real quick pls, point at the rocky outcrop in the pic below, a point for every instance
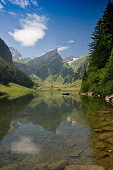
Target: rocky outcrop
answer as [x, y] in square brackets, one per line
[90, 94]
[17, 56]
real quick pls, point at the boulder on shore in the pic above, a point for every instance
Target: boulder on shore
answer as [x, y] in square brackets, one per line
[109, 99]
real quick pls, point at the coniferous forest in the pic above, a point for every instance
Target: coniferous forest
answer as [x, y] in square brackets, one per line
[99, 76]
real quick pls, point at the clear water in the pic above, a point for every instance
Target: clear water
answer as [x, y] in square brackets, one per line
[42, 128]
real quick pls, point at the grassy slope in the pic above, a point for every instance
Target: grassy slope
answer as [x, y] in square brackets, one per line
[15, 90]
[80, 62]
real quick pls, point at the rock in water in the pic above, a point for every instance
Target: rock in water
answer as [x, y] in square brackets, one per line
[65, 93]
[84, 167]
[58, 165]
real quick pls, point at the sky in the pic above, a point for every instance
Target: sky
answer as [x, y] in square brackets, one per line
[34, 27]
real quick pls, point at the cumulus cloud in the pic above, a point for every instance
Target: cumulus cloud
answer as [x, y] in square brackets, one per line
[71, 41]
[31, 31]
[63, 48]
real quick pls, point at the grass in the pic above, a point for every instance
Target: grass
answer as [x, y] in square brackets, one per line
[61, 87]
[15, 90]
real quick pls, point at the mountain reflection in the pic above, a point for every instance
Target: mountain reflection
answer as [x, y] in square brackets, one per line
[9, 108]
[49, 111]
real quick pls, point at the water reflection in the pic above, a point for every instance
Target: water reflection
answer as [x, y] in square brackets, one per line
[8, 108]
[47, 127]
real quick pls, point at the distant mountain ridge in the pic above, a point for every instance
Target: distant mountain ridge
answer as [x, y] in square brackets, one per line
[16, 56]
[52, 64]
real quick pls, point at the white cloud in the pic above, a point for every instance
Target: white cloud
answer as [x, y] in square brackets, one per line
[31, 31]
[1, 6]
[71, 41]
[21, 3]
[3, 1]
[34, 2]
[63, 48]
[12, 13]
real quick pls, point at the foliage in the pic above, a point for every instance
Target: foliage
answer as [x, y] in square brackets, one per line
[99, 81]
[9, 73]
[5, 52]
[102, 39]
[99, 76]
[67, 73]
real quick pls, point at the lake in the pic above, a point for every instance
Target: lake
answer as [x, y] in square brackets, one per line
[43, 128]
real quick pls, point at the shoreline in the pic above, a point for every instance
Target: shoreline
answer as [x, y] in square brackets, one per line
[108, 99]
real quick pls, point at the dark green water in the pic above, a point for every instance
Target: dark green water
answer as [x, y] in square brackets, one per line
[39, 129]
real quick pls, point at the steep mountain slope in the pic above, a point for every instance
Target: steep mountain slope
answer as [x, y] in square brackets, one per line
[50, 63]
[16, 56]
[5, 52]
[80, 62]
[79, 67]
[8, 71]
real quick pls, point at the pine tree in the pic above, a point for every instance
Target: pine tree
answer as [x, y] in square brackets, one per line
[102, 38]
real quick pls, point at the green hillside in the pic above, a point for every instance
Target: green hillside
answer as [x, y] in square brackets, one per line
[50, 64]
[5, 52]
[99, 76]
[80, 62]
[8, 71]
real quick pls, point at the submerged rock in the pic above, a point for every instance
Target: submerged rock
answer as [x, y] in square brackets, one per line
[105, 136]
[110, 140]
[75, 154]
[10, 167]
[102, 155]
[58, 165]
[104, 129]
[84, 167]
[100, 146]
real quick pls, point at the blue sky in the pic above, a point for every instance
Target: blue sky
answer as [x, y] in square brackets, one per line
[36, 26]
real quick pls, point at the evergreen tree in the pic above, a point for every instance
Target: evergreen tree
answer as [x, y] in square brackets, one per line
[102, 39]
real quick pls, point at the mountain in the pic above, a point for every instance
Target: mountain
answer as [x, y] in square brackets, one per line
[51, 63]
[8, 71]
[79, 66]
[17, 56]
[5, 52]
[68, 58]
